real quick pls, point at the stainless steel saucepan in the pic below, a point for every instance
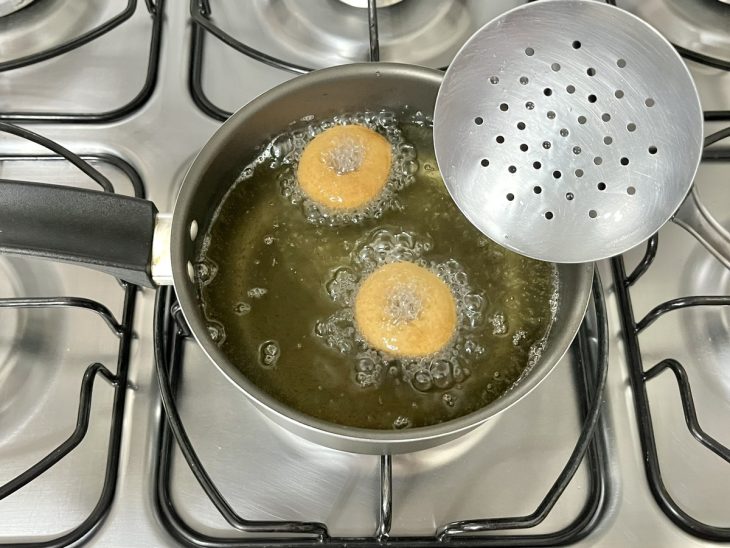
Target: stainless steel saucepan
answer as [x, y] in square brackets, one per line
[128, 238]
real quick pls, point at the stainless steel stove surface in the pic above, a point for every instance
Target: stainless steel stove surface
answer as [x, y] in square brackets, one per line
[142, 132]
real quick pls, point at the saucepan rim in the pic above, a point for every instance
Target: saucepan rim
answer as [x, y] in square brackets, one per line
[576, 301]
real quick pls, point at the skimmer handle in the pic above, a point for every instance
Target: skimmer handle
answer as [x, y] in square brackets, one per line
[693, 216]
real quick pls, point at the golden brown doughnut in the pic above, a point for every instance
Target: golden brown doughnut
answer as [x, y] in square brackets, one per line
[345, 167]
[405, 310]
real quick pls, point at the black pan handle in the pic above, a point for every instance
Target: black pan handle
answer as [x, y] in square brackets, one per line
[101, 230]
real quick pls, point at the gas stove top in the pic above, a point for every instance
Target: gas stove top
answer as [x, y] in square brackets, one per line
[86, 450]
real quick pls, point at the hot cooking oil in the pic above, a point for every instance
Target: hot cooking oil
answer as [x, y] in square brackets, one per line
[278, 276]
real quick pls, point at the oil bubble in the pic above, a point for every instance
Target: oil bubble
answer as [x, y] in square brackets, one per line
[385, 246]
[422, 381]
[365, 364]
[242, 308]
[386, 118]
[408, 151]
[461, 373]
[410, 167]
[401, 422]
[338, 331]
[269, 353]
[535, 354]
[281, 149]
[449, 400]
[342, 285]
[369, 369]
[216, 331]
[499, 324]
[205, 271]
[421, 119]
[256, 292]
[472, 348]
[441, 373]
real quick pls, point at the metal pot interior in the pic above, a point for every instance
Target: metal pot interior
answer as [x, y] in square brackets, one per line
[322, 94]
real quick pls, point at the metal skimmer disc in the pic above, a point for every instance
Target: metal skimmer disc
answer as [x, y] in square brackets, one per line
[568, 130]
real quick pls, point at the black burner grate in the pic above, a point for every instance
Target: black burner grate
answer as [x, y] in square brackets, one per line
[118, 380]
[170, 330]
[639, 377]
[156, 11]
[200, 15]
[590, 352]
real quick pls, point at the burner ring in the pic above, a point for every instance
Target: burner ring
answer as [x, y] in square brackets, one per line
[29, 340]
[8, 7]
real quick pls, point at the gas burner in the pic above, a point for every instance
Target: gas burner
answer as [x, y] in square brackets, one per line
[47, 64]
[707, 329]
[321, 34]
[42, 25]
[10, 325]
[11, 6]
[335, 33]
[700, 26]
[25, 338]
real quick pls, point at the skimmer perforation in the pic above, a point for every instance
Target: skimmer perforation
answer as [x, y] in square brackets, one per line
[590, 118]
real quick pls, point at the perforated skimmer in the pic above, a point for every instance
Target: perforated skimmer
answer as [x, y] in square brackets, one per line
[570, 131]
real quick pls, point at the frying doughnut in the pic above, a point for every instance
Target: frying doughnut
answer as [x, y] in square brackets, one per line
[345, 167]
[405, 310]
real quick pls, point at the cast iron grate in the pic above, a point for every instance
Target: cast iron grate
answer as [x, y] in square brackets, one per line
[639, 377]
[202, 24]
[118, 379]
[591, 365]
[156, 10]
